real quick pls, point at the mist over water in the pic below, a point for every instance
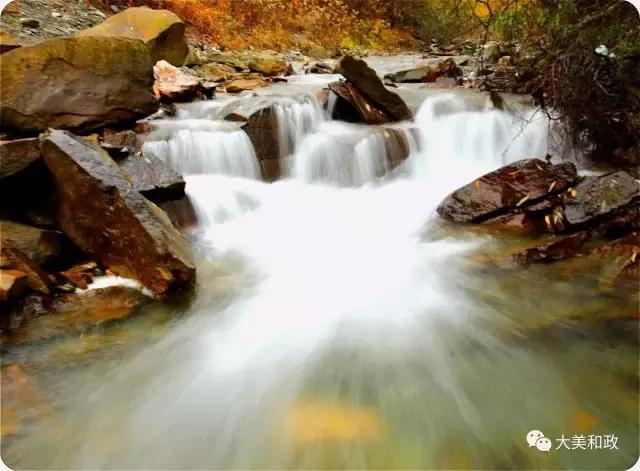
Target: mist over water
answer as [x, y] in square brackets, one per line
[336, 323]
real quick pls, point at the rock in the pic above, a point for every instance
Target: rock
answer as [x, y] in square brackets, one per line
[37, 279]
[16, 155]
[127, 141]
[152, 177]
[30, 22]
[76, 83]
[161, 30]
[517, 224]
[241, 85]
[109, 220]
[367, 81]
[514, 186]
[181, 212]
[559, 248]
[424, 74]
[7, 42]
[269, 66]
[239, 62]
[354, 107]
[319, 68]
[597, 197]
[316, 51]
[81, 275]
[12, 283]
[42, 318]
[215, 72]
[505, 61]
[41, 245]
[259, 122]
[173, 85]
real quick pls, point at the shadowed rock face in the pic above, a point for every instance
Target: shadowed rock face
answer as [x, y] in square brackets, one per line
[161, 30]
[17, 155]
[108, 219]
[517, 185]
[367, 81]
[354, 107]
[76, 83]
[596, 197]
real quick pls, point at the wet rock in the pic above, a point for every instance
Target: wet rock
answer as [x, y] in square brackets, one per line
[41, 245]
[367, 81]
[597, 197]
[271, 169]
[517, 224]
[397, 146]
[181, 212]
[241, 85]
[214, 72]
[76, 83]
[13, 283]
[319, 68]
[427, 73]
[153, 178]
[109, 220]
[127, 141]
[16, 155]
[161, 31]
[80, 275]
[354, 107]
[37, 279]
[268, 65]
[38, 318]
[7, 42]
[260, 123]
[173, 85]
[514, 186]
[559, 248]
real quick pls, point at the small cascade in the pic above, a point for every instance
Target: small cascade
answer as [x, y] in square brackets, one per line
[200, 146]
[348, 155]
[296, 119]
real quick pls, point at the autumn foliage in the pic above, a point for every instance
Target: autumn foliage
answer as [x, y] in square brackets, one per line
[283, 24]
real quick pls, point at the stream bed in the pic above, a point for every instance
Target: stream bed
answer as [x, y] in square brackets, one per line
[336, 322]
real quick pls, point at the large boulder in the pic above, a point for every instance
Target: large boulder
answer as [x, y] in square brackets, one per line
[108, 219]
[367, 81]
[17, 155]
[427, 73]
[598, 197]
[355, 107]
[153, 178]
[76, 83]
[268, 65]
[161, 30]
[173, 85]
[242, 85]
[514, 186]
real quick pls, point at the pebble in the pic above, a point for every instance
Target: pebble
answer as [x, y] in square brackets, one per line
[30, 22]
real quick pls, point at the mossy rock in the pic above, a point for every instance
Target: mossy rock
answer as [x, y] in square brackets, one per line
[161, 30]
[76, 83]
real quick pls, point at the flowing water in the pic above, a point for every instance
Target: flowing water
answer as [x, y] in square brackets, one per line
[336, 323]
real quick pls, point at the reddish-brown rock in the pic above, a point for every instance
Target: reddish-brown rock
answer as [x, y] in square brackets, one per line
[365, 79]
[37, 279]
[354, 107]
[12, 283]
[559, 248]
[173, 85]
[109, 220]
[514, 186]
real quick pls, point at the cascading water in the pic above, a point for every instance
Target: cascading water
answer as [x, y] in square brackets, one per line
[340, 327]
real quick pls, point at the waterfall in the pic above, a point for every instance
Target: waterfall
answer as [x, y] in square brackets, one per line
[296, 119]
[199, 146]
